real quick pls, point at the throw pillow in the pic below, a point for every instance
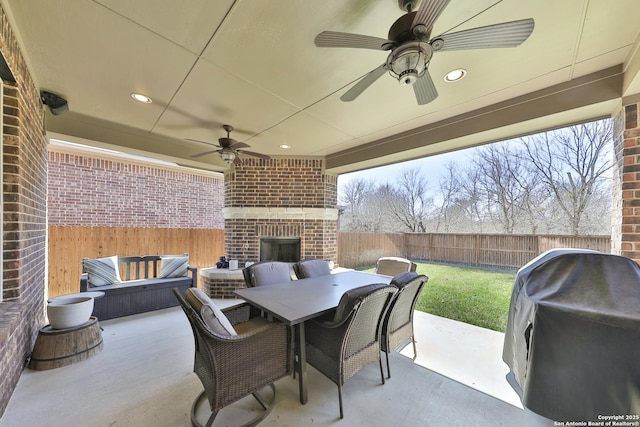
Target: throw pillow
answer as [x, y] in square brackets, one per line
[212, 316]
[173, 266]
[102, 271]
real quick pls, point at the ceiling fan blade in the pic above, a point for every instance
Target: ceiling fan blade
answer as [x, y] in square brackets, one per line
[205, 153]
[428, 12]
[506, 34]
[254, 154]
[203, 142]
[338, 39]
[424, 89]
[364, 83]
[239, 144]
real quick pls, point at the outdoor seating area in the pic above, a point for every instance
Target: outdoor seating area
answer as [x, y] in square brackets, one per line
[135, 284]
[458, 378]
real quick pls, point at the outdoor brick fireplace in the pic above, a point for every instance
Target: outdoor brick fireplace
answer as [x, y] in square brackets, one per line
[285, 249]
[278, 199]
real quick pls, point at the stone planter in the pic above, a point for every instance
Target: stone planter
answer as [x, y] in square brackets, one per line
[68, 312]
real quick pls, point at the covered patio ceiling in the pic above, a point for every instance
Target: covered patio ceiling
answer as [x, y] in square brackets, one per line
[253, 64]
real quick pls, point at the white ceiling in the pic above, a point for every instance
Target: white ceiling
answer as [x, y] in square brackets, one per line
[253, 64]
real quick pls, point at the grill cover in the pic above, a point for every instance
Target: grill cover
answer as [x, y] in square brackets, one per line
[573, 335]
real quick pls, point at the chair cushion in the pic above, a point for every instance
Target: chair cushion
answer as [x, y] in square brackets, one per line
[313, 268]
[173, 266]
[351, 297]
[212, 316]
[102, 271]
[403, 279]
[250, 325]
[269, 273]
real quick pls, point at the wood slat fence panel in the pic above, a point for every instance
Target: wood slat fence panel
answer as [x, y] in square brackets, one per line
[69, 244]
[358, 249]
[486, 250]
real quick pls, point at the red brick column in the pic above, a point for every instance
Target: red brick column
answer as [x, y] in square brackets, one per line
[280, 198]
[625, 236]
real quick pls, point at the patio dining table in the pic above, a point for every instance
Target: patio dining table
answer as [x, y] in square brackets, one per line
[297, 301]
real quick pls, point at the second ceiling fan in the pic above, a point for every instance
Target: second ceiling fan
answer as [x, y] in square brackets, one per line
[411, 46]
[230, 149]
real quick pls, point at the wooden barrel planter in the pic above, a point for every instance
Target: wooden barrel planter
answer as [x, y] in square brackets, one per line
[55, 348]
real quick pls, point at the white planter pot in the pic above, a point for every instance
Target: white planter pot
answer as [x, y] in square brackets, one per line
[69, 312]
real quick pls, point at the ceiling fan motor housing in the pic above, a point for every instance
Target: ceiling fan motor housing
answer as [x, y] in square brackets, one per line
[402, 31]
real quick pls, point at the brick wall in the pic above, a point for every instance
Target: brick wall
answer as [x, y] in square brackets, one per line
[90, 189]
[280, 198]
[280, 183]
[24, 181]
[625, 235]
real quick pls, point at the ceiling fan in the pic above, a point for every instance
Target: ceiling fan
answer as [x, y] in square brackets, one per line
[230, 149]
[412, 48]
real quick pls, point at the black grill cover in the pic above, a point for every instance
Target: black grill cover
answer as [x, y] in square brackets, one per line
[573, 335]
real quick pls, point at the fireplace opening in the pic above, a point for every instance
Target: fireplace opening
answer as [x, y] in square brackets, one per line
[285, 249]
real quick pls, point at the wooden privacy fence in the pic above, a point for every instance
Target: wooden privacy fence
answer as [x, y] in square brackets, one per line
[359, 249]
[486, 250]
[69, 244]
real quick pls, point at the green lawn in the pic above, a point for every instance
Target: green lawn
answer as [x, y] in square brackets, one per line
[476, 296]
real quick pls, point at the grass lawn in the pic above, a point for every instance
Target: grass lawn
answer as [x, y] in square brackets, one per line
[472, 295]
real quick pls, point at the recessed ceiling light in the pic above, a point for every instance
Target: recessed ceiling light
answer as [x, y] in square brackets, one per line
[455, 75]
[141, 98]
[285, 146]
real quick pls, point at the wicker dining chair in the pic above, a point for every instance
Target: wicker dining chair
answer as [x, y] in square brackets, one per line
[311, 268]
[397, 327]
[391, 265]
[231, 367]
[266, 273]
[339, 347]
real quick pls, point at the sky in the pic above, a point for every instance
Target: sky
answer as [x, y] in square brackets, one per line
[432, 168]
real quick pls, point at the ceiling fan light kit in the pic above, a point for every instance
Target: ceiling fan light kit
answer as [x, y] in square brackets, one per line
[228, 155]
[409, 62]
[411, 48]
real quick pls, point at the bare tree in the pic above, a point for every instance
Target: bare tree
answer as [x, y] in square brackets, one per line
[451, 212]
[353, 196]
[505, 183]
[471, 199]
[572, 163]
[528, 185]
[408, 200]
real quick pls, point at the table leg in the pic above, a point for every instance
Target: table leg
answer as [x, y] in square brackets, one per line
[301, 352]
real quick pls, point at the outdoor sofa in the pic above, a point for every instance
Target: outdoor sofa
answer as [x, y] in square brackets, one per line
[136, 284]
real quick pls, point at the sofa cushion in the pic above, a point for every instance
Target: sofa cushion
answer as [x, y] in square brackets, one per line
[212, 316]
[173, 266]
[102, 271]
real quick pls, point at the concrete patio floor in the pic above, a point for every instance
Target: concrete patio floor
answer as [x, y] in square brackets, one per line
[143, 377]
